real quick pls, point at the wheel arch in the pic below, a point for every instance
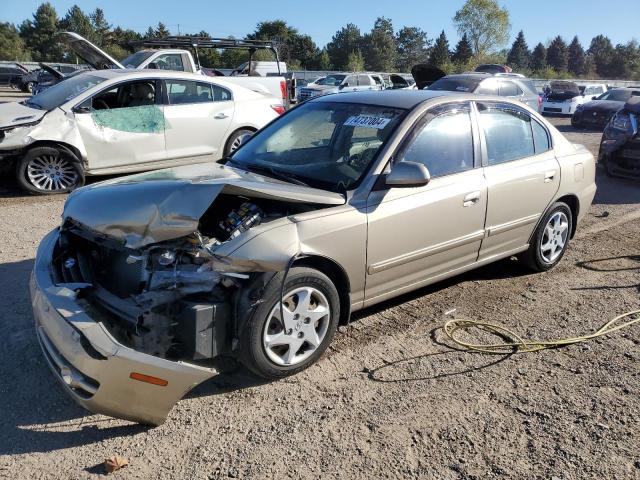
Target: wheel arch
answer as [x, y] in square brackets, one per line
[338, 276]
[236, 130]
[574, 205]
[55, 144]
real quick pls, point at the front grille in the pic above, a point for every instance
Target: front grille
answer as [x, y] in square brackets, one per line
[306, 94]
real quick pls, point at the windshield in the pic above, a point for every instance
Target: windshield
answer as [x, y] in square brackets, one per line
[616, 95]
[134, 61]
[333, 80]
[64, 91]
[321, 81]
[460, 84]
[323, 144]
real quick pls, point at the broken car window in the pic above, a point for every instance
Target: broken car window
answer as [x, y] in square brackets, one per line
[327, 145]
[130, 94]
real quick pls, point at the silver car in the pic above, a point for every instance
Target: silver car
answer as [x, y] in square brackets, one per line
[341, 203]
[510, 85]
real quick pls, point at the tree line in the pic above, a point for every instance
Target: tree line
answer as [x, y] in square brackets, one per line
[483, 27]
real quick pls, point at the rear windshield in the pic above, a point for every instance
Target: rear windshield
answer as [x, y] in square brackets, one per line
[617, 95]
[460, 84]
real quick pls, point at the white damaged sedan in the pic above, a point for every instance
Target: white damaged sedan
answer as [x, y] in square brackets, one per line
[111, 122]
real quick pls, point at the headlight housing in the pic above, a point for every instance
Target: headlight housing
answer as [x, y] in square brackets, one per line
[621, 121]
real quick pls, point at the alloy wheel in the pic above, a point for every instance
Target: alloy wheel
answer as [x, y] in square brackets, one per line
[555, 237]
[51, 173]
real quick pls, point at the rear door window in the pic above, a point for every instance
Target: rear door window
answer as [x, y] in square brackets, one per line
[507, 132]
[488, 87]
[509, 89]
[540, 137]
[168, 61]
[181, 92]
[364, 80]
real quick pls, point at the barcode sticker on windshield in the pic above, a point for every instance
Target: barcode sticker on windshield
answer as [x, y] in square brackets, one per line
[367, 121]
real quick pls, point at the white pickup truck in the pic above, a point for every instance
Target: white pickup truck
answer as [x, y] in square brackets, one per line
[170, 59]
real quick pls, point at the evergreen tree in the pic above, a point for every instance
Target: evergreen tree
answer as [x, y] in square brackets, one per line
[323, 62]
[101, 27]
[355, 62]
[576, 58]
[39, 33]
[379, 47]
[539, 58]
[519, 57]
[412, 47]
[463, 52]
[440, 54]
[347, 40]
[161, 31]
[601, 49]
[557, 55]
[77, 21]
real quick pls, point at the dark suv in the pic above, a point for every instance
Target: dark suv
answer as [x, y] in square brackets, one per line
[510, 85]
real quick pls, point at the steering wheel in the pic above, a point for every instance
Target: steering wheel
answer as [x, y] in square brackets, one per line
[355, 161]
[103, 104]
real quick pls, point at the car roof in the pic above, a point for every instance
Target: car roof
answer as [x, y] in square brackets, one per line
[406, 99]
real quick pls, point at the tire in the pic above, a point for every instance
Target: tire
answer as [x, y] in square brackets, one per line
[28, 88]
[63, 169]
[270, 362]
[233, 142]
[543, 254]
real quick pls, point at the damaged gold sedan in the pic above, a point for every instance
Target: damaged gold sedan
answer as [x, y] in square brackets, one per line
[341, 203]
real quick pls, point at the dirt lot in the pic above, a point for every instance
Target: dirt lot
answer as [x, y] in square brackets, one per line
[390, 399]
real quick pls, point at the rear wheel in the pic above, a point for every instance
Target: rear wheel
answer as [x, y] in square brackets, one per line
[273, 347]
[49, 170]
[550, 240]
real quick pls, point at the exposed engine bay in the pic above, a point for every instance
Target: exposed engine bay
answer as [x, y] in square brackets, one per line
[173, 299]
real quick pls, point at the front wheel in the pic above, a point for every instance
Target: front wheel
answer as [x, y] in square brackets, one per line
[49, 170]
[550, 240]
[274, 347]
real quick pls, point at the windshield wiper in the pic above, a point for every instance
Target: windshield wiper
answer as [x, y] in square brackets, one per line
[270, 171]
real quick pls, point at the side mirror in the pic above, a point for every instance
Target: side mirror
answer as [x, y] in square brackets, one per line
[408, 174]
[340, 87]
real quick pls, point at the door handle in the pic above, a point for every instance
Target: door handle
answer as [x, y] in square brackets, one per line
[471, 199]
[221, 115]
[549, 176]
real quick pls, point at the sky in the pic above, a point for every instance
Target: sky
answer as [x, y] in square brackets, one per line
[541, 20]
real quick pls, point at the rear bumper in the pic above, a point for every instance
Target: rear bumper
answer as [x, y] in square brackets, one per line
[557, 108]
[92, 366]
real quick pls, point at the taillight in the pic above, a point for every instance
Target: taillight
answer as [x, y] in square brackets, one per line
[283, 89]
[539, 102]
[279, 109]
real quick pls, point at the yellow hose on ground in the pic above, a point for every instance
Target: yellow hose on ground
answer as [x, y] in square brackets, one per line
[518, 344]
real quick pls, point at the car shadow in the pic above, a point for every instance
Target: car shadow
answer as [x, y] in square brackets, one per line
[37, 415]
[615, 190]
[607, 265]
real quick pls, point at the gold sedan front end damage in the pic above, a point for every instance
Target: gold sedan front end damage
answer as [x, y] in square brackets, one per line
[98, 372]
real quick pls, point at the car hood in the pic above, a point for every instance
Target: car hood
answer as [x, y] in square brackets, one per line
[88, 52]
[52, 71]
[167, 204]
[602, 106]
[14, 114]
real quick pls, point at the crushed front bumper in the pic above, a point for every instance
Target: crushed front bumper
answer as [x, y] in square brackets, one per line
[93, 367]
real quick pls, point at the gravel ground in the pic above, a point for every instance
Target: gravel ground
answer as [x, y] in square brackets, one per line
[390, 399]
